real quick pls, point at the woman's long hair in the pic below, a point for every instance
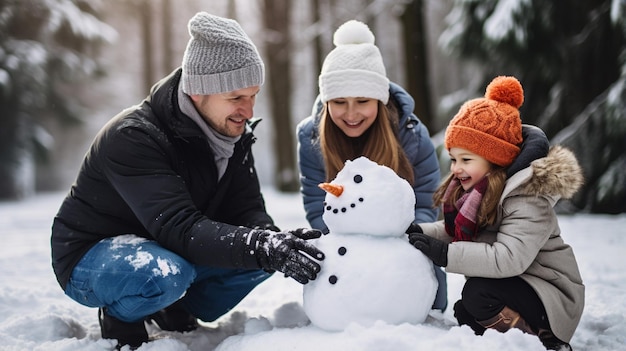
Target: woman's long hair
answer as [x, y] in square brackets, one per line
[379, 143]
[486, 214]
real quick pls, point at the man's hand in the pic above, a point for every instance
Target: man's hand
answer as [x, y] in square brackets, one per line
[435, 249]
[290, 253]
[268, 226]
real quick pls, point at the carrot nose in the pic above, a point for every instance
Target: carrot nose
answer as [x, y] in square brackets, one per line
[334, 189]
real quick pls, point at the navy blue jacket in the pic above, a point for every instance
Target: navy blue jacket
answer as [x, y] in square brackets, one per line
[415, 141]
[150, 172]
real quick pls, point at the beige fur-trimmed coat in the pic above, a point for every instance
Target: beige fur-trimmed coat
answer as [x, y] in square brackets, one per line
[526, 240]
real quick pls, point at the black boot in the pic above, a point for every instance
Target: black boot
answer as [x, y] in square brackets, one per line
[174, 318]
[551, 342]
[507, 319]
[465, 318]
[131, 334]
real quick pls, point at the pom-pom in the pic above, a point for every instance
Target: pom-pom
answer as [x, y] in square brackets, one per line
[353, 32]
[507, 90]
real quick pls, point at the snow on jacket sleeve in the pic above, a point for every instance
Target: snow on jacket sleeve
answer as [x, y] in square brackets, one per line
[160, 200]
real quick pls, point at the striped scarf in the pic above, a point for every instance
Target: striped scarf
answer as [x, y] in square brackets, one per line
[460, 218]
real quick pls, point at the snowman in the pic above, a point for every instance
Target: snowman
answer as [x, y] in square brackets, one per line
[371, 272]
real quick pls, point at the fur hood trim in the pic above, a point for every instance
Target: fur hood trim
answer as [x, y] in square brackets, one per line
[557, 174]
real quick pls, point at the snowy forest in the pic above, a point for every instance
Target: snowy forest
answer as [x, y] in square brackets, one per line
[67, 66]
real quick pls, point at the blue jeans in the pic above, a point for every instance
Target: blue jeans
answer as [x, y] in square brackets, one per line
[134, 277]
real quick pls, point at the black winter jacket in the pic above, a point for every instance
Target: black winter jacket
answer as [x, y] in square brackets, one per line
[150, 171]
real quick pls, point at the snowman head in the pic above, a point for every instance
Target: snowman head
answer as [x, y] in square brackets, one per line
[368, 198]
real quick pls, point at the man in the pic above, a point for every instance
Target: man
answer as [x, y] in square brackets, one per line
[166, 222]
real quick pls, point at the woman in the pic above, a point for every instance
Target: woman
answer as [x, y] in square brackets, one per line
[359, 112]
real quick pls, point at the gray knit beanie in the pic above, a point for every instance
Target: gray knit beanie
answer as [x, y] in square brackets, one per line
[219, 57]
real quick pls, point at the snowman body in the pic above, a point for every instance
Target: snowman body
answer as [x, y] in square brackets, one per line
[371, 272]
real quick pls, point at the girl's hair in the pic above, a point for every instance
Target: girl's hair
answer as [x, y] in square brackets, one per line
[487, 209]
[379, 143]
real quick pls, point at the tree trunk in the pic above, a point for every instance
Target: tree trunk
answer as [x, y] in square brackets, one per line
[16, 157]
[414, 39]
[145, 15]
[166, 26]
[231, 9]
[276, 17]
[318, 50]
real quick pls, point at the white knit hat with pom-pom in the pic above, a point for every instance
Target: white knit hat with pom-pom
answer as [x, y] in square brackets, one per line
[355, 67]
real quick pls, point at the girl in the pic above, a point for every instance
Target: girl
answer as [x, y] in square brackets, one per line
[500, 230]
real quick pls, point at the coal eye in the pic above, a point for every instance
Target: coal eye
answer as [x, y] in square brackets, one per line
[358, 178]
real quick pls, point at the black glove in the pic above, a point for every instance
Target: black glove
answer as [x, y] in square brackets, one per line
[268, 226]
[306, 234]
[414, 228]
[290, 253]
[435, 249]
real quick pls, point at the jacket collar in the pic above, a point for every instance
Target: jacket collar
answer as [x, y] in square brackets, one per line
[404, 103]
[558, 175]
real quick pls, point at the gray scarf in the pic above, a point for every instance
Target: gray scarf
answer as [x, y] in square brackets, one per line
[222, 146]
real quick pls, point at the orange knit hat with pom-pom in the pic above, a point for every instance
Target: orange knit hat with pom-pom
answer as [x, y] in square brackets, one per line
[491, 126]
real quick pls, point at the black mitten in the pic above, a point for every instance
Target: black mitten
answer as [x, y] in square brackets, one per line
[435, 249]
[414, 228]
[290, 254]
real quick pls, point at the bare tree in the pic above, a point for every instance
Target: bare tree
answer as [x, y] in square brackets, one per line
[318, 50]
[414, 39]
[231, 9]
[166, 27]
[146, 18]
[276, 16]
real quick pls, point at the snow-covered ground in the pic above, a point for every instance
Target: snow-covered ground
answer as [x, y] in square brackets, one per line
[36, 315]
